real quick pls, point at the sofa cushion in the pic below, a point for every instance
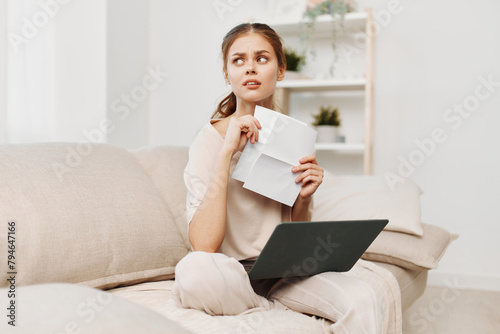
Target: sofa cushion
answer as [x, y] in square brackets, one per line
[410, 251]
[165, 165]
[412, 283]
[85, 213]
[158, 297]
[365, 197]
[71, 308]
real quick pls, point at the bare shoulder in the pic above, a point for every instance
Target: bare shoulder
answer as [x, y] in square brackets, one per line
[221, 126]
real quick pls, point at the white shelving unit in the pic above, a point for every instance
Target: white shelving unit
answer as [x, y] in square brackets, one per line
[353, 22]
[340, 147]
[322, 85]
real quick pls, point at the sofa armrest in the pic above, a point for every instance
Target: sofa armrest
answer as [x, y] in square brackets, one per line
[72, 308]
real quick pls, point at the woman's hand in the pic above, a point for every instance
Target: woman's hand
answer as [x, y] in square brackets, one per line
[239, 131]
[311, 176]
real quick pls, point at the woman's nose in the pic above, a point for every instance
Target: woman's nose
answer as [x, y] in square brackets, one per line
[251, 69]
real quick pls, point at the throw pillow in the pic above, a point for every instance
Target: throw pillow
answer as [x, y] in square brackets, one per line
[85, 213]
[369, 197]
[409, 251]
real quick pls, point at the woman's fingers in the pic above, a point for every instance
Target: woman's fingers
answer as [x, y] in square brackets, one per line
[251, 126]
[307, 166]
[311, 175]
[242, 129]
[250, 132]
[251, 135]
[309, 158]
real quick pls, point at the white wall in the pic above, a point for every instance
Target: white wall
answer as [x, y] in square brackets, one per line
[88, 64]
[30, 73]
[80, 69]
[3, 70]
[56, 69]
[421, 73]
[186, 42]
[429, 56]
[102, 60]
[127, 62]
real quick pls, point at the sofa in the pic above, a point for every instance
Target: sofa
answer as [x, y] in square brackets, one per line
[91, 235]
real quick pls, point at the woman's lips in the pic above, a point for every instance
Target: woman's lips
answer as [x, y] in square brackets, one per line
[252, 84]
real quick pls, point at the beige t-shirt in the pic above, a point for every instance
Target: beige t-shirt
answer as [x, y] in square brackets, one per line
[251, 218]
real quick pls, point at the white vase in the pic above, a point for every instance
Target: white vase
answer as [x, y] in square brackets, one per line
[326, 133]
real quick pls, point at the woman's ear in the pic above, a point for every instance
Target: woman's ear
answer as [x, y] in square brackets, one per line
[281, 73]
[226, 78]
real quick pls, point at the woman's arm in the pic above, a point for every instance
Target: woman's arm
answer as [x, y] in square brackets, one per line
[208, 226]
[311, 177]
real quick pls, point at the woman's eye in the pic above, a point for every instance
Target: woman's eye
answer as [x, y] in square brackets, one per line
[238, 61]
[262, 60]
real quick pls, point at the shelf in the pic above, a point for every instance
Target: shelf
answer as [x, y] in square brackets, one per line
[340, 147]
[352, 22]
[322, 33]
[322, 85]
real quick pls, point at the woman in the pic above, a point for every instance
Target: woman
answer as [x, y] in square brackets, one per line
[228, 223]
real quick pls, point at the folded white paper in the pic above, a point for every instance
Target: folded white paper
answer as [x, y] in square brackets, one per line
[271, 178]
[266, 166]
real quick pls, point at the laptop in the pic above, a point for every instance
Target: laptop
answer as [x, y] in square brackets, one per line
[310, 248]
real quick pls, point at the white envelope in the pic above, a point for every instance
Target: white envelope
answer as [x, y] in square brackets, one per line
[251, 152]
[271, 177]
[266, 166]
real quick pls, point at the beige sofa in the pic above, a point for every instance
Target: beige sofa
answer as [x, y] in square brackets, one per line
[95, 233]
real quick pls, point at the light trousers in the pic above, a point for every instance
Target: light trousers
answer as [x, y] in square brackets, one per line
[219, 285]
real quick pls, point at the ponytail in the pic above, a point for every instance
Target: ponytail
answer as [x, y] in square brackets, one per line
[226, 107]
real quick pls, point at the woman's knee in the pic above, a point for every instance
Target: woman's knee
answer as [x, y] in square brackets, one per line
[209, 282]
[198, 271]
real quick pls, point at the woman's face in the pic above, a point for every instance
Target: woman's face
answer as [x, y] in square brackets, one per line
[252, 68]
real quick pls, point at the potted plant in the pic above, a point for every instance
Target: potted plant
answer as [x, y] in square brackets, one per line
[294, 63]
[336, 9]
[326, 123]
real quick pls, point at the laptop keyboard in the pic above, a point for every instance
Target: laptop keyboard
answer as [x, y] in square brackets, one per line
[247, 264]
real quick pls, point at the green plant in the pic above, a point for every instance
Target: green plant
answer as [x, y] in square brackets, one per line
[327, 116]
[294, 60]
[337, 9]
